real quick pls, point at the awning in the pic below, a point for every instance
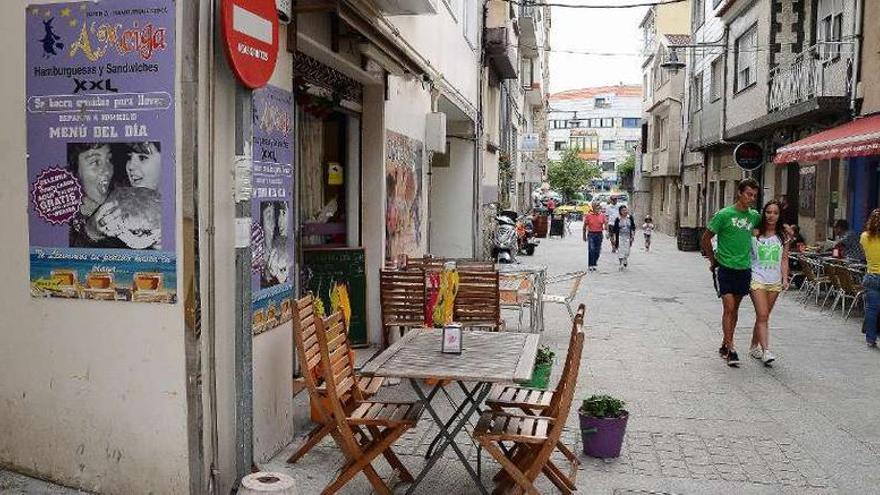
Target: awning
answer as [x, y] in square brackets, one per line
[860, 137]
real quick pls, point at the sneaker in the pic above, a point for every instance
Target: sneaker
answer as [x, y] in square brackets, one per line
[756, 352]
[732, 358]
[872, 345]
[722, 351]
[767, 357]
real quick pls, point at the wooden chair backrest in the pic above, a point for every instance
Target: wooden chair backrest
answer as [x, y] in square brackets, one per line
[560, 404]
[477, 301]
[402, 296]
[427, 263]
[850, 280]
[807, 268]
[305, 340]
[833, 272]
[475, 265]
[341, 382]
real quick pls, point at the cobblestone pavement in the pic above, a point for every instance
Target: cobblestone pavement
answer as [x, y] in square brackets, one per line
[809, 425]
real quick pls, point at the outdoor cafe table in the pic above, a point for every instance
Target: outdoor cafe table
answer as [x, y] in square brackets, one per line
[486, 358]
[539, 273]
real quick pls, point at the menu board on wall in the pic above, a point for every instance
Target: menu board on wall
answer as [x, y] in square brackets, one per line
[337, 277]
[272, 209]
[101, 149]
[807, 191]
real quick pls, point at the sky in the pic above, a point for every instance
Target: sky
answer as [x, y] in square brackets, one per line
[594, 30]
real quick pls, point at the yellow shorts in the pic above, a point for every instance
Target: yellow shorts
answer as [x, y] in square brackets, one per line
[767, 287]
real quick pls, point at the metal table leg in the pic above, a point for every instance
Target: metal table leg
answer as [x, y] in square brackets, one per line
[468, 398]
[483, 391]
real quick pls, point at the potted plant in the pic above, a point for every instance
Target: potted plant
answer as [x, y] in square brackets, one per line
[603, 423]
[543, 367]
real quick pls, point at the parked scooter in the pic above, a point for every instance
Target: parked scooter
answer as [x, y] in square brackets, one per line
[525, 233]
[505, 242]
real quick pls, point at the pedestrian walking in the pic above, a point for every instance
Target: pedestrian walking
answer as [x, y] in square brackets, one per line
[769, 277]
[870, 241]
[594, 226]
[624, 232]
[648, 231]
[612, 211]
[731, 263]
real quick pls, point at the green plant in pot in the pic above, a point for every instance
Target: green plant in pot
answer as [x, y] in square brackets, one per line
[543, 367]
[603, 424]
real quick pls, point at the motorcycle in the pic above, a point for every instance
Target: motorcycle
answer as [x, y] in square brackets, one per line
[525, 233]
[505, 243]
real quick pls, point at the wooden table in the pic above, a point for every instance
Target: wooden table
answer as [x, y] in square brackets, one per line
[486, 358]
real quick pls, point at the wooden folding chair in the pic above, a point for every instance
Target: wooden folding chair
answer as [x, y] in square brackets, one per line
[402, 300]
[534, 437]
[478, 303]
[305, 326]
[385, 421]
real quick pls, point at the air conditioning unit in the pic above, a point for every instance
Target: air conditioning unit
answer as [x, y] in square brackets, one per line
[435, 132]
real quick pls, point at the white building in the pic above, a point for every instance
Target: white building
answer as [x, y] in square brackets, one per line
[604, 123]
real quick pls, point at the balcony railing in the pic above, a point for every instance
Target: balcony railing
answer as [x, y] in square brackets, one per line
[823, 70]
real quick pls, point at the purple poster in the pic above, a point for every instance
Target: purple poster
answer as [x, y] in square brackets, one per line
[100, 139]
[272, 208]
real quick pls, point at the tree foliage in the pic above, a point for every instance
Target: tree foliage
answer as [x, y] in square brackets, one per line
[571, 174]
[628, 166]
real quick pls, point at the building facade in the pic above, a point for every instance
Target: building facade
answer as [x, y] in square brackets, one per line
[604, 123]
[783, 74]
[391, 115]
[664, 28]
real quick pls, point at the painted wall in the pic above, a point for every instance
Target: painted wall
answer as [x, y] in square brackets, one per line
[451, 198]
[674, 18]
[749, 103]
[93, 393]
[871, 57]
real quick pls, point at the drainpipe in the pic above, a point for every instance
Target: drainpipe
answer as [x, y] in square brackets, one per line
[476, 229]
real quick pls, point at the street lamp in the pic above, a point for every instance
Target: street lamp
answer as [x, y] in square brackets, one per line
[673, 64]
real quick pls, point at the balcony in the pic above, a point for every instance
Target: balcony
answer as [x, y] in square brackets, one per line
[501, 52]
[407, 7]
[529, 17]
[820, 72]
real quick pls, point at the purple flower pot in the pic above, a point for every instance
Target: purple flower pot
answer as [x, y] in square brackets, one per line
[603, 437]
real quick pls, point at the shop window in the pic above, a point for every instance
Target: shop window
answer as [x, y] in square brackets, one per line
[325, 169]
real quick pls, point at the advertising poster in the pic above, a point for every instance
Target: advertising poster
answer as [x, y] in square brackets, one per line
[101, 150]
[272, 209]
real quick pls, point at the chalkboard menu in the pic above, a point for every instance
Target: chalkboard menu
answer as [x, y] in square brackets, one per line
[324, 270]
[807, 193]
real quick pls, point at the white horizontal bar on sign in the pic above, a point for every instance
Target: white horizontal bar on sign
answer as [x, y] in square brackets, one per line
[246, 22]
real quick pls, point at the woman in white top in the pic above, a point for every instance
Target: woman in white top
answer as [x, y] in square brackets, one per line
[769, 277]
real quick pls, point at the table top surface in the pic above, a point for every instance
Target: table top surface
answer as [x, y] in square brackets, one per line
[514, 268]
[495, 357]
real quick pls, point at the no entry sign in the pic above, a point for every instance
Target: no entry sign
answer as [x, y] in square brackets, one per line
[250, 34]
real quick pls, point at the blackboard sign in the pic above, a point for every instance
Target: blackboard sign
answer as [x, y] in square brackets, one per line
[807, 192]
[324, 269]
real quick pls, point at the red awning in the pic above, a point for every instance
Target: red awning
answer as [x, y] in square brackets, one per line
[857, 138]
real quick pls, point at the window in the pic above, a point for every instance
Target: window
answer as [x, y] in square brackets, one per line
[595, 123]
[629, 145]
[559, 124]
[717, 82]
[601, 102]
[722, 192]
[697, 92]
[587, 144]
[632, 122]
[659, 133]
[559, 146]
[608, 166]
[645, 86]
[607, 145]
[574, 124]
[746, 58]
[609, 122]
[699, 14]
[830, 28]
[687, 201]
[527, 72]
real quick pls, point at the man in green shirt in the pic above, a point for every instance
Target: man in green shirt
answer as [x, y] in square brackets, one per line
[731, 262]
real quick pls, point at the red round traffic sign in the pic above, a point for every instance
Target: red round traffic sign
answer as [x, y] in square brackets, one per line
[250, 35]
